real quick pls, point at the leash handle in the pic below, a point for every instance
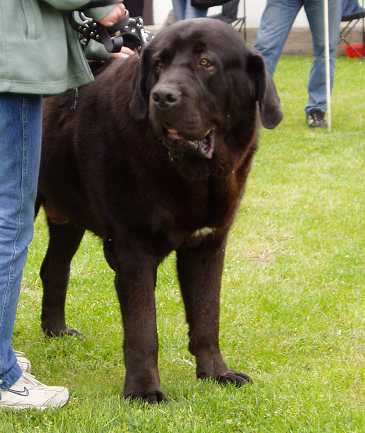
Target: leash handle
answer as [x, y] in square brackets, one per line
[90, 29]
[129, 31]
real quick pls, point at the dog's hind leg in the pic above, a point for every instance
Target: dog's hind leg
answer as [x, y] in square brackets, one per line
[200, 272]
[55, 270]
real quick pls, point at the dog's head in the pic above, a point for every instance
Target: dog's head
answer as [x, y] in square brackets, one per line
[197, 81]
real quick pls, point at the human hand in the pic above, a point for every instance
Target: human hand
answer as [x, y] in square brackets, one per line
[116, 15]
[124, 53]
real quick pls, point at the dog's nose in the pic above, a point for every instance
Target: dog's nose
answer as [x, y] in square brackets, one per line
[166, 97]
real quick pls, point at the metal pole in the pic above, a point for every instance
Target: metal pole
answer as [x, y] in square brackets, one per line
[327, 60]
[363, 30]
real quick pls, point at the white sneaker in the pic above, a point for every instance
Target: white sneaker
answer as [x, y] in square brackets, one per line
[23, 362]
[29, 393]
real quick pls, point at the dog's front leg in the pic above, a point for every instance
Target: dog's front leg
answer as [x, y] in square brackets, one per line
[200, 273]
[135, 284]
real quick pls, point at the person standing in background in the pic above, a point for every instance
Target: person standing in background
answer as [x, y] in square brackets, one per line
[40, 54]
[183, 10]
[352, 9]
[276, 23]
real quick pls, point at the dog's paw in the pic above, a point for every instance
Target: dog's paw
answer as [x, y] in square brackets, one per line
[229, 377]
[148, 397]
[62, 333]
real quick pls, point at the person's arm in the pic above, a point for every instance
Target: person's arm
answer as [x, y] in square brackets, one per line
[107, 16]
[115, 11]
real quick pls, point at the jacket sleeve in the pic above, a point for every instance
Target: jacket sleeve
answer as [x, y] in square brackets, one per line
[69, 5]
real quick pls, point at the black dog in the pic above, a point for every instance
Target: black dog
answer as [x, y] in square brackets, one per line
[155, 159]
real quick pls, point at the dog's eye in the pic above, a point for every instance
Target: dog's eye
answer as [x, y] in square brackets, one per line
[205, 62]
[207, 65]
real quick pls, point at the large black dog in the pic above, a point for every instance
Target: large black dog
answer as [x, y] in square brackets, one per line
[154, 159]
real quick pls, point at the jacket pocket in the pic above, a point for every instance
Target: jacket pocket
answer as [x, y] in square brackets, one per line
[33, 19]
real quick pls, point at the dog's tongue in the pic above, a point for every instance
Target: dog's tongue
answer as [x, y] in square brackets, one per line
[174, 134]
[205, 146]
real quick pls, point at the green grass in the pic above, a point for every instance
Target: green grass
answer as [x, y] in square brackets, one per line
[292, 305]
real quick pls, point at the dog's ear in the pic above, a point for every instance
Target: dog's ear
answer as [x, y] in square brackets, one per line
[265, 91]
[140, 97]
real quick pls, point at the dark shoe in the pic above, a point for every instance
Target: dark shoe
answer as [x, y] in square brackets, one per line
[316, 119]
[360, 13]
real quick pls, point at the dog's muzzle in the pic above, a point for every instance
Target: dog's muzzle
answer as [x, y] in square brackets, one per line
[178, 143]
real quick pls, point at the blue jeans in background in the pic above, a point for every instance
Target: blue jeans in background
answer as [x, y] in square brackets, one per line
[350, 7]
[20, 144]
[276, 23]
[184, 11]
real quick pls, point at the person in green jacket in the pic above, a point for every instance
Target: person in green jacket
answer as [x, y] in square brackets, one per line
[40, 54]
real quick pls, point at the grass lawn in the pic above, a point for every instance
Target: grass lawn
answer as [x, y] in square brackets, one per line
[293, 302]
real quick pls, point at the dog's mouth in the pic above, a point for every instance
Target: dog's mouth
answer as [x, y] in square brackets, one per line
[202, 146]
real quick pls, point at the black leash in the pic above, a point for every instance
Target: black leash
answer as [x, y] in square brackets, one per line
[90, 29]
[129, 32]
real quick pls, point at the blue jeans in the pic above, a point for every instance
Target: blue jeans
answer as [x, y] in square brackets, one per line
[184, 11]
[20, 144]
[350, 7]
[275, 25]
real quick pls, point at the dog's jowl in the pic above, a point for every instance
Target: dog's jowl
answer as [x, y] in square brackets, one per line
[154, 160]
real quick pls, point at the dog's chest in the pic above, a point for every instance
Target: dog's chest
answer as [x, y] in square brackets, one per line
[202, 233]
[192, 216]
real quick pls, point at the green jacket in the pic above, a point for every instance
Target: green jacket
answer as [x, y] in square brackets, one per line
[39, 51]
